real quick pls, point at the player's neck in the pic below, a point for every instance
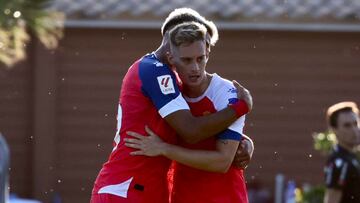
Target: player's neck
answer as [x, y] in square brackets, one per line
[193, 92]
[160, 53]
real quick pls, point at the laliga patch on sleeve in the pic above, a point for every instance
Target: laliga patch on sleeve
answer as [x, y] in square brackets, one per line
[166, 84]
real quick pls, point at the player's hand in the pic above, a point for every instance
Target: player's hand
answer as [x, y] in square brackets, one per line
[243, 93]
[243, 154]
[150, 145]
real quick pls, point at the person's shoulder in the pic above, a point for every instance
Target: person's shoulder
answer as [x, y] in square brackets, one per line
[333, 156]
[221, 92]
[338, 159]
[150, 63]
[222, 82]
[221, 86]
[151, 68]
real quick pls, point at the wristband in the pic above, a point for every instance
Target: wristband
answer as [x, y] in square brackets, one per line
[240, 107]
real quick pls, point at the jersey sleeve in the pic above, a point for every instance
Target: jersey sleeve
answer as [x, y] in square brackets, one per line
[336, 173]
[158, 83]
[225, 96]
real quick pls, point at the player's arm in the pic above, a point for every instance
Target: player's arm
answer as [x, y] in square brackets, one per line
[194, 129]
[215, 161]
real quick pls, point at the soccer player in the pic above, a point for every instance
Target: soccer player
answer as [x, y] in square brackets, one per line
[342, 170]
[206, 94]
[150, 96]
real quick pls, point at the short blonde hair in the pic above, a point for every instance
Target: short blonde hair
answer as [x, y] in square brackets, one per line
[333, 111]
[182, 15]
[187, 33]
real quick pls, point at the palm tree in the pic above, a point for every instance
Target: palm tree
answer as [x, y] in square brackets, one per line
[19, 18]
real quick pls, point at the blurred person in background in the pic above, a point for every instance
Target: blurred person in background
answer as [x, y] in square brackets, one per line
[342, 170]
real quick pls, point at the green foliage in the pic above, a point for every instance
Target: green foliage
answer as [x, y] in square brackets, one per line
[20, 17]
[324, 141]
[312, 195]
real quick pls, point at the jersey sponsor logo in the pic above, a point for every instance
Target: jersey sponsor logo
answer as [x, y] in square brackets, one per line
[166, 84]
[232, 90]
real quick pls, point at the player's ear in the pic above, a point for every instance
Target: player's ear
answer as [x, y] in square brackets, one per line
[170, 58]
[208, 48]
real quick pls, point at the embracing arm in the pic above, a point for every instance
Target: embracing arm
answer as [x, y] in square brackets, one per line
[215, 161]
[218, 160]
[194, 129]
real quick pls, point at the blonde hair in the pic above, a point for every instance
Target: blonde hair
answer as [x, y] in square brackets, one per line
[187, 33]
[182, 15]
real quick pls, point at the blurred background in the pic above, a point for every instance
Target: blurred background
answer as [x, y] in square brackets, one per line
[62, 64]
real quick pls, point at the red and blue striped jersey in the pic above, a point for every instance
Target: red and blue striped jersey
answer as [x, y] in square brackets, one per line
[149, 93]
[197, 186]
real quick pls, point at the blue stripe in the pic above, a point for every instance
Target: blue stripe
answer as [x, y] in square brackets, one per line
[149, 69]
[230, 135]
[233, 100]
